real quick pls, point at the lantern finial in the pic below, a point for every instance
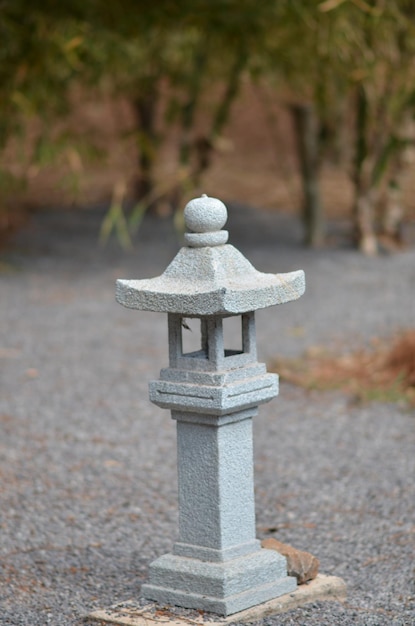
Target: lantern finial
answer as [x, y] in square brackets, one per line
[204, 218]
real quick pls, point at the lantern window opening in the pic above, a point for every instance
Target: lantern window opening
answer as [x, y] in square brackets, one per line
[193, 338]
[232, 335]
[210, 342]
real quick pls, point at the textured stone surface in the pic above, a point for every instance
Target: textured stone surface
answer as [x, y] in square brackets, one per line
[204, 218]
[322, 588]
[212, 354]
[220, 513]
[213, 392]
[205, 215]
[214, 399]
[208, 277]
[222, 588]
[217, 564]
[303, 565]
[210, 281]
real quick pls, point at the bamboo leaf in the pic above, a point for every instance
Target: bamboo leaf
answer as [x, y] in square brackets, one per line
[136, 216]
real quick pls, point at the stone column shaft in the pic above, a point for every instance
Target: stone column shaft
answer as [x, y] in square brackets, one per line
[216, 488]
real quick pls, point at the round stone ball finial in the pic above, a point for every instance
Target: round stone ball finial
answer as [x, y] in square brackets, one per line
[204, 218]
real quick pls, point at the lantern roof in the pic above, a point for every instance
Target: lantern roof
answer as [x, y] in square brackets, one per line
[209, 276]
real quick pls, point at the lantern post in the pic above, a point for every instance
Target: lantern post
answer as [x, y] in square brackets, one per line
[217, 564]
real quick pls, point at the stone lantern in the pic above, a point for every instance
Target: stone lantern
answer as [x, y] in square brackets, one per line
[213, 393]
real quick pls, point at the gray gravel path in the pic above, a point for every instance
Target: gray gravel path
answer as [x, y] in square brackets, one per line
[87, 464]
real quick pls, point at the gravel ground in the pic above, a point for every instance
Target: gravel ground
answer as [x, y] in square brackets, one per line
[87, 464]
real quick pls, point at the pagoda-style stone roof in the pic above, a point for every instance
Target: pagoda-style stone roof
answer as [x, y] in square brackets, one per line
[209, 277]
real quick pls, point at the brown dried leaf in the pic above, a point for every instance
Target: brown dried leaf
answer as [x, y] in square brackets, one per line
[303, 565]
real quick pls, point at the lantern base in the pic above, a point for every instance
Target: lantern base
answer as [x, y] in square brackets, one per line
[223, 588]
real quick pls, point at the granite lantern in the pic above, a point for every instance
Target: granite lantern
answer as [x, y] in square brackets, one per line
[213, 393]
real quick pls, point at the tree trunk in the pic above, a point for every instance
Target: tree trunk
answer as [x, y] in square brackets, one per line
[364, 217]
[392, 216]
[365, 193]
[145, 109]
[306, 130]
[205, 145]
[187, 120]
[393, 210]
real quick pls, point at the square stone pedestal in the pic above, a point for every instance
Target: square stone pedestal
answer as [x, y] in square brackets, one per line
[222, 588]
[322, 588]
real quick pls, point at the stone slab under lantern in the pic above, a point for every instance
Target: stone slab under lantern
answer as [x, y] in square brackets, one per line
[133, 613]
[217, 564]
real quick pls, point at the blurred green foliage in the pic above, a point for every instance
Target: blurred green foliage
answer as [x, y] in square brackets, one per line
[351, 62]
